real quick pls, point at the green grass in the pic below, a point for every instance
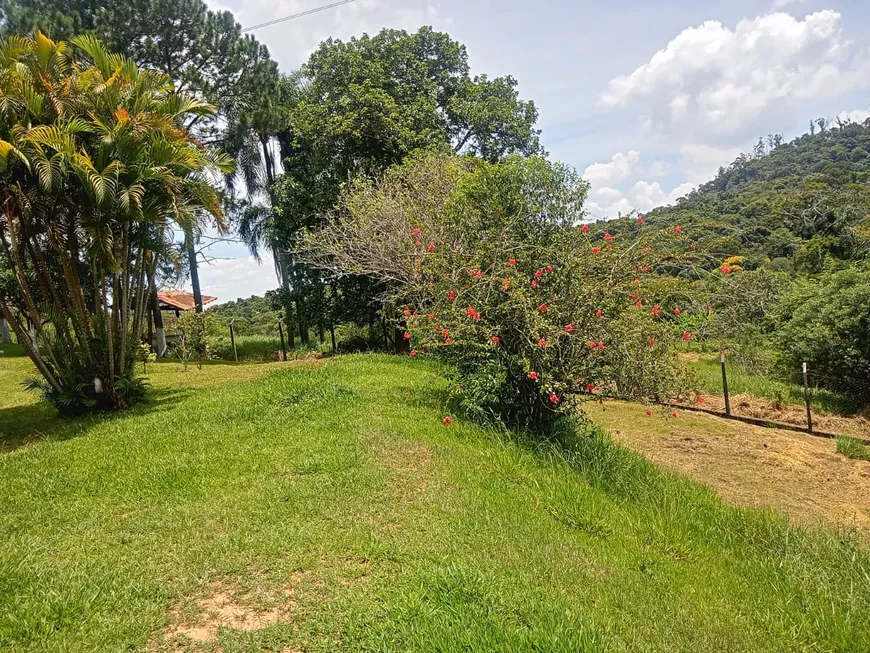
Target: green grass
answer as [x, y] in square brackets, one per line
[335, 483]
[708, 372]
[853, 448]
[259, 348]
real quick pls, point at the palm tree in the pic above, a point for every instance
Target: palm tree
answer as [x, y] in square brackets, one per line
[93, 158]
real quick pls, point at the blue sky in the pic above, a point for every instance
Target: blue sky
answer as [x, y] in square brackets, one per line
[645, 99]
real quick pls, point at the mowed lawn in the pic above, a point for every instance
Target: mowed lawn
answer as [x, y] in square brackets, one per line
[324, 506]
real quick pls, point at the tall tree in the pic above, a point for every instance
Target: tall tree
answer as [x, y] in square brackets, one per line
[204, 52]
[367, 103]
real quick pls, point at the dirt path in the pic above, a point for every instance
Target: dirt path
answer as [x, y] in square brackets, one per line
[798, 474]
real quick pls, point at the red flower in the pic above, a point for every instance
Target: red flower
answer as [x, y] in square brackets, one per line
[595, 250]
[496, 340]
[407, 311]
[700, 400]
[472, 313]
[652, 342]
[512, 262]
[677, 311]
[407, 336]
[448, 341]
[592, 345]
[447, 420]
[687, 336]
[415, 231]
[638, 303]
[431, 247]
[431, 316]
[678, 229]
[649, 413]
[639, 219]
[451, 295]
[543, 308]
[692, 245]
[417, 244]
[418, 262]
[569, 328]
[599, 313]
[549, 268]
[554, 399]
[636, 282]
[585, 228]
[725, 269]
[590, 387]
[413, 352]
[538, 274]
[601, 345]
[608, 237]
[533, 376]
[445, 333]
[674, 414]
[534, 284]
[542, 343]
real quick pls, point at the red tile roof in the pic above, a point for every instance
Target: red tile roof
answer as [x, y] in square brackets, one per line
[183, 301]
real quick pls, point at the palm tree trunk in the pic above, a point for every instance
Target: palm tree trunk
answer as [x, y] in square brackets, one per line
[5, 336]
[194, 272]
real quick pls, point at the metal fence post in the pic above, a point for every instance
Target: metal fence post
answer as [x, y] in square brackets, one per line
[281, 333]
[233, 341]
[725, 383]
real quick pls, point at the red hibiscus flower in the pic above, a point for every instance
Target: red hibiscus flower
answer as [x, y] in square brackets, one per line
[543, 308]
[678, 229]
[569, 328]
[608, 237]
[533, 376]
[700, 400]
[549, 268]
[649, 413]
[652, 342]
[593, 345]
[538, 274]
[534, 284]
[407, 336]
[447, 420]
[601, 345]
[599, 313]
[496, 340]
[725, 269]
[451, 295]
[542, 343]
[692, 245]
[413, 352]
[640, 219]
[595, 250]
[585, 228]
[590, 387]
[674, 414]
[677, 311]
[554, 399]
[687, 336]
[512, 262]
[430, 247]
[415, 231]
[448, 341]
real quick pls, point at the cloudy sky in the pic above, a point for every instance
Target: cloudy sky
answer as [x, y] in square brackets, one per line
[646, 99]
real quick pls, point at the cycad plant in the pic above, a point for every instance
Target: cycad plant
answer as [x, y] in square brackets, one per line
[94, 160]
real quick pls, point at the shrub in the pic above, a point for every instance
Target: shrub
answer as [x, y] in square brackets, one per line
[826, 323]
[500, 278]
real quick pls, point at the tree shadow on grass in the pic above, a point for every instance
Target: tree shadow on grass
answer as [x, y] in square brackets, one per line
[24, 425]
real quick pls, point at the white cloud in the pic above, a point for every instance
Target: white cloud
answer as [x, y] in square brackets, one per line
[779, 4]
[642, 196]
[232, 278]
[711, 81]
[857, 115]
[617, 169]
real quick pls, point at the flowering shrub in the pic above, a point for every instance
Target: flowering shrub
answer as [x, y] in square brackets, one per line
[496, 274]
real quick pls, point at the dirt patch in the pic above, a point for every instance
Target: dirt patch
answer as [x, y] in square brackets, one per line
[201, 622]
[409, 463]
[749, 405]
[800, 475]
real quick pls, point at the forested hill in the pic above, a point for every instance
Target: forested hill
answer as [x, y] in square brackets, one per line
[796, 206]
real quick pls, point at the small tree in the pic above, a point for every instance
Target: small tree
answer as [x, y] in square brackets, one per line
[194, 337]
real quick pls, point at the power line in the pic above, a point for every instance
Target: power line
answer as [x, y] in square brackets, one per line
[299, 15]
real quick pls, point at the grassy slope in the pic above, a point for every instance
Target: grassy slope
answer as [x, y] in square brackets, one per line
[394, 531]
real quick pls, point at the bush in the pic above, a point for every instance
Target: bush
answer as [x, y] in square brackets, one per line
[826, 323]
[499, 277]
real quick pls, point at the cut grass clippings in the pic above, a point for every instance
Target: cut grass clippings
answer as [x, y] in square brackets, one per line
[329, 498]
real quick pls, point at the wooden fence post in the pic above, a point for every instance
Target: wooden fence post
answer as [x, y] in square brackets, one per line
[725, 383]
[233, 341]
[807, 398]
[281, 333]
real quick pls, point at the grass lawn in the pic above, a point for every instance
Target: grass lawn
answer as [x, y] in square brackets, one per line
[323, 506]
